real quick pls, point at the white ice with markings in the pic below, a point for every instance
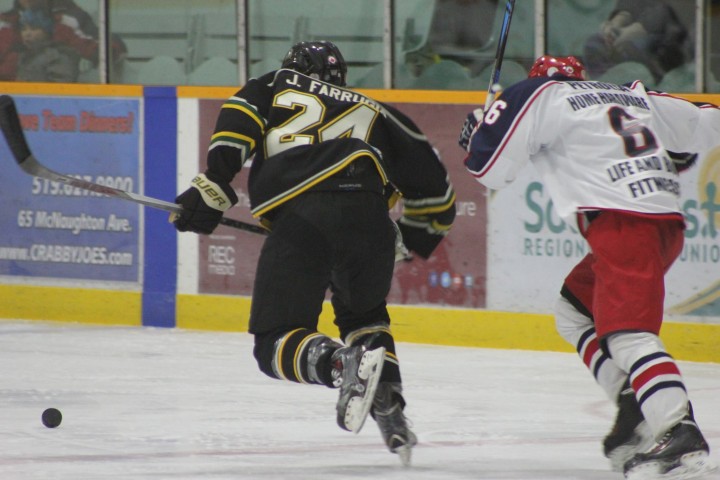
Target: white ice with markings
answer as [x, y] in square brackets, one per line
[151, 404]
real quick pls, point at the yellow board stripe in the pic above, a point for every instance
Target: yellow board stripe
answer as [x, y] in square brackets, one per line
[453, 327]
[426, 96]
[104, 307]
[400, 96]
[193, 91]
[74, 89]
[204, 92]
[430, 325]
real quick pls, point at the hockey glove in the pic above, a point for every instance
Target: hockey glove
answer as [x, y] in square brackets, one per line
[203, 205]
[682, 161]
[422, 234]
[472, 123]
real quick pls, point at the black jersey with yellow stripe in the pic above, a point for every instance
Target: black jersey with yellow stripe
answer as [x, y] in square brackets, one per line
[300, 132]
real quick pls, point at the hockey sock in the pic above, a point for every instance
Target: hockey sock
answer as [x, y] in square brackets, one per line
[579, 331]
[374, 336]
[303, 356]
[654, 376]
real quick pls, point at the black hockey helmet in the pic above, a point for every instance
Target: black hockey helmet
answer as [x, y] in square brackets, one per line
[321, 60]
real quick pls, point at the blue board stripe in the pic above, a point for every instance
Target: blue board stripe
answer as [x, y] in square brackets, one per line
[160, 172]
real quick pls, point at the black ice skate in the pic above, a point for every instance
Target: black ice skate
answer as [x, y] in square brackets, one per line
[357, 372]
[682, 453]
[631, 434]
[387, 411]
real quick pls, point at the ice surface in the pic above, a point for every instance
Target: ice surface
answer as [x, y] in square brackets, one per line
[141, 403]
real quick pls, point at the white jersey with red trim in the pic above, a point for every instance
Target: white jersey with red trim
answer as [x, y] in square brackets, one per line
[596, 145]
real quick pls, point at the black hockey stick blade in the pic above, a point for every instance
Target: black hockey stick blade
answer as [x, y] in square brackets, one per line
[12, 130]
[502, 41]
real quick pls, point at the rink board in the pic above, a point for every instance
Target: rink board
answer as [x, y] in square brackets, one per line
[168, 291]
[425, 325]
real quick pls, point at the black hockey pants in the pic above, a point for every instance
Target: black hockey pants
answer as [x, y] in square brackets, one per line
[342, 241]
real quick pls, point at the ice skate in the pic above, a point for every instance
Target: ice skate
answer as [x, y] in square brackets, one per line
[682, 453]
[630, 435]
[357, 373]
[387, 411]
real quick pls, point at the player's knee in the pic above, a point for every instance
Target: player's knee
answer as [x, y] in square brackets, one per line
[264, 352]
[569, 322]
[627, 348]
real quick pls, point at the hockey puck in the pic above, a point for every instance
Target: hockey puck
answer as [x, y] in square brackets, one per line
[51, 417]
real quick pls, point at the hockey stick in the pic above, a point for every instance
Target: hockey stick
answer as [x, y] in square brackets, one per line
[12, 130]
[502, 40]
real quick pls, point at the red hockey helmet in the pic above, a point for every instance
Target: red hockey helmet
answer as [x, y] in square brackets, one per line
[547, 66]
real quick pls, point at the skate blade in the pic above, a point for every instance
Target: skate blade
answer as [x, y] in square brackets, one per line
[359, 407]
[405, 454]
[619, 456]
[692, 465]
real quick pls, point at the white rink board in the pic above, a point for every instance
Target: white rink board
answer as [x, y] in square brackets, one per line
[531, 250]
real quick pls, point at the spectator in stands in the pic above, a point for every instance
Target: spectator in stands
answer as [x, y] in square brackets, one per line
[644, 31]
[9, 51]
[459, 29]
[454, 24]
[41, 59]
[419, 59]
[72, 27]
[83, 22]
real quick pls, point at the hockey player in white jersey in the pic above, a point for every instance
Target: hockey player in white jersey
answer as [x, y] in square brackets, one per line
[609, 156]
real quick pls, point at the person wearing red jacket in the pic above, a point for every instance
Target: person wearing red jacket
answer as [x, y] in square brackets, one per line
[72, 27]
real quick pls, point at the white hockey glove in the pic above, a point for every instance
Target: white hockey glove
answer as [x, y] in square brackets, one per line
[401, 251]
[472, 123]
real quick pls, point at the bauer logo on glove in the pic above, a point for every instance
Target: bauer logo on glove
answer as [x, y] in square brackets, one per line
[203, 205]
[211, 193]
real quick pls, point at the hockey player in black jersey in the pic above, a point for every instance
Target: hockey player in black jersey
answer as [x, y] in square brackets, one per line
[327, 164]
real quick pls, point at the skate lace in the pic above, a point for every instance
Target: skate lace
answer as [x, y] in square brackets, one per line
[661, 444]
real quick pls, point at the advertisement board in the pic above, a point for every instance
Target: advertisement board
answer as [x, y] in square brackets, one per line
[531, 249]
[52, 230]
[455, 274]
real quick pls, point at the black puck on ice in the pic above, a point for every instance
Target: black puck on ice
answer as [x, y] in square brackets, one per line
[51, 417]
